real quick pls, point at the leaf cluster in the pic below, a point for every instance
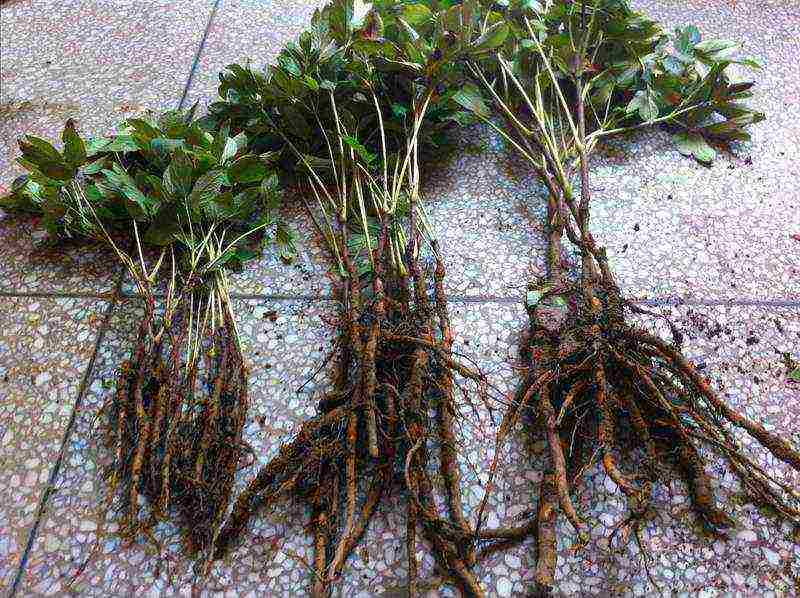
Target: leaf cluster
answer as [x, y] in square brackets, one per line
[635, 73]
[169, 174]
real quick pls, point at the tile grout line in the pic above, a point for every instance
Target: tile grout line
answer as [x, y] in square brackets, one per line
[478, 299]
[199, 53]
[115, 297]
[51, 480]
[58, 295]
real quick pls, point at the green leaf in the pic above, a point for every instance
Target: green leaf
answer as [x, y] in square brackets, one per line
[415, 14]
[693, 144]
[163, 230]
[627, 73]
[717, 49]
[686, 39]
[121, 182]
[410, 31]
[143, 129]
[122, 144]
[297, 123]
[492, 38]
[470, 98]
[220, 207]
[247, 169]
[359, 148]
[270, 192]
[399, 110]
[164, 146]
[74, 147]
[44, 157]
[751, 63]
[233, 145]
[287, 62]
[96, 145]
[795, 375]
[173, 123]
[644, 103]
[179, 175]
[93, 167]
[463, 118]
[284, 239]
[270, 157]
[207, 188]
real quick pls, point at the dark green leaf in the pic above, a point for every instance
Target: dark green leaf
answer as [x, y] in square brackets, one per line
[74, 147]
[469, 97]
[164, 146]
[143, 129]
[415, 14]
[247, 169]
[399, 110]
[206, 188]
[492, 38]
[172, 123]
[163, 230]
[179, 175]
[644, 103]
[139, 205]
[44, 157]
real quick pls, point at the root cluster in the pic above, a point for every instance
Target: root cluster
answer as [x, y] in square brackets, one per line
[177, 440]
[391, 403]
[595, 379]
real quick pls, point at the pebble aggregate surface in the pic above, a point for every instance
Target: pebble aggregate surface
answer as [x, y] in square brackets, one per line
[711, 247]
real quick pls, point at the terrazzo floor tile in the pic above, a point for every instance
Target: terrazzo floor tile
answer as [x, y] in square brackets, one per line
[673, 228]
[47, 54]
[292, 337]
[285, 344]
[45, 347]
[52, 70]
[247, 29]
[724, 231]
[256, 30]
[486, 211]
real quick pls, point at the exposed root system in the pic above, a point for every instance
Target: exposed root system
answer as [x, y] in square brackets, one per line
[595, 378]
[177, 441]
[391, 403]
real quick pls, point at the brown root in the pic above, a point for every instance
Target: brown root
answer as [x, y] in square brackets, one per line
[391, 402]
[640, 383]
[177, 447]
